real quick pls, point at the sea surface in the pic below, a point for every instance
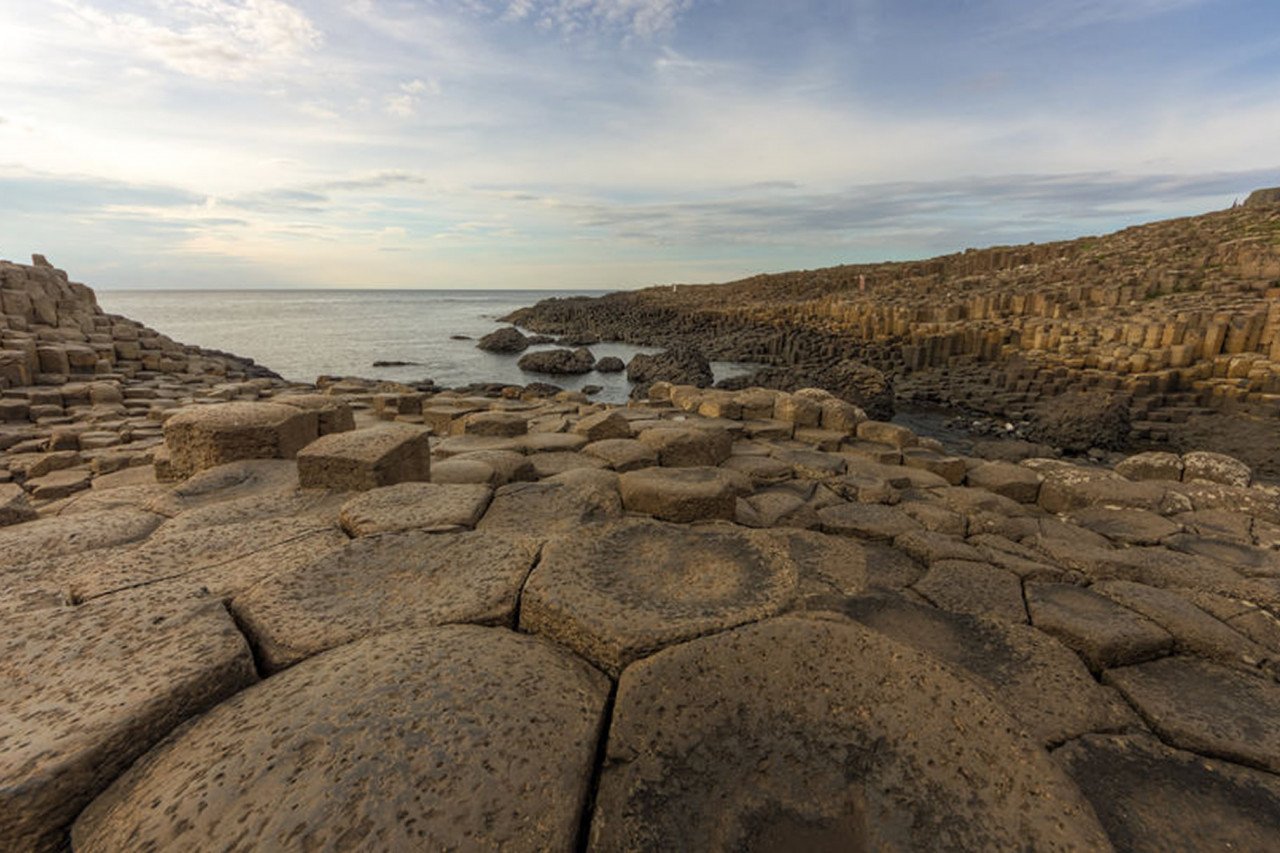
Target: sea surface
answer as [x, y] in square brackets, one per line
[303, 334]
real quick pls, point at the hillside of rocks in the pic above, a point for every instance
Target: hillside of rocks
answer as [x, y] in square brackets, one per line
[361, 616]
[1178, 320]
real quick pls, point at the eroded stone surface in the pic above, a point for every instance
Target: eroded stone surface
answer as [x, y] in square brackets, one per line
[434, 739]
[679, 494]
[366, 458]
[206, 436]
[415, 506]
[617, 593]
[893, 753]
[88, 689]
[382, 584]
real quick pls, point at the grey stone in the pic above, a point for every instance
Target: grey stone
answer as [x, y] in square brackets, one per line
[1126, 526]
[1006, 479]
[867, 521]
[894, 752]
[979, 589]
[1104, 633]
[1216, 468]
[442, 738]
[617, 593]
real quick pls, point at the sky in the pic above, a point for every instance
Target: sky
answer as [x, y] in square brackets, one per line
[609, 144]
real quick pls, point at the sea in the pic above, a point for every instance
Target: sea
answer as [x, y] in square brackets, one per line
[303, 334]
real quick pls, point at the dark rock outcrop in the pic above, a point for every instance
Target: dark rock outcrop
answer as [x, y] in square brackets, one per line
[678, 365]
[508, 341]
[558, 361]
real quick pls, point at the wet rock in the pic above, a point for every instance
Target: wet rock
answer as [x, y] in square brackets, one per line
[619, 593]
[678, 365]
[431, 739]
[896, 771]
[508, 340]
[610, 364]
[558, 361]
[366, 458]
[382, 584]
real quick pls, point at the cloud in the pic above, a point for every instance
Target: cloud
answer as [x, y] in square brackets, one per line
[208, 39]
[404, 103]
[1068, 14]
[639, 18]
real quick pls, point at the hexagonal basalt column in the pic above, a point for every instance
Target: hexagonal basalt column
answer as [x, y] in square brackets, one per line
[617, 593]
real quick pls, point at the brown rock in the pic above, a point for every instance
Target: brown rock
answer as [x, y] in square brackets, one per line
[367, 458]
[430, 507]
[202, 437]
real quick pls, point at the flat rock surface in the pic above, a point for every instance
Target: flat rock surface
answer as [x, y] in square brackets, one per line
[1038, 680]
[51, 537]
[415, 506]
[894, 752]
[445, 738]
[1207, 708]
[979, 589]
[617, 593]
[381, 584]
[1152, 799]
[88, 689]
[1103, 632]
[557, 504]
[680, 494]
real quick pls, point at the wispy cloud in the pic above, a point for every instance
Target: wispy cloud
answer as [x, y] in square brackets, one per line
[209, 39]
[642, 18]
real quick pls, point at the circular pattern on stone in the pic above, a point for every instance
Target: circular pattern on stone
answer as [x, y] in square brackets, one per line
[445, 738]
[808, 734]
[619, 592]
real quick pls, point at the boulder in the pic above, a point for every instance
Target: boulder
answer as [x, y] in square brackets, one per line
[508, 340]
[678, 365]
[1215, 468]
[366, 458]
[201, 437]
[1152, 465]
[610, 364]
[558, 361]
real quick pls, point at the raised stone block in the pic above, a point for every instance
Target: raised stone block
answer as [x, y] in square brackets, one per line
[367, 458]
[201, 437]
[680, 494]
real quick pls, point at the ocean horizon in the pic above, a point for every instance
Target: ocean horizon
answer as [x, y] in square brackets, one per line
[304, 334]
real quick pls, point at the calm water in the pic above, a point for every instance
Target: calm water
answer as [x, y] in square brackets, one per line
[302, 334]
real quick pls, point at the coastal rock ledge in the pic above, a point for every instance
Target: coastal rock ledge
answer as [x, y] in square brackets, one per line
[239, 613]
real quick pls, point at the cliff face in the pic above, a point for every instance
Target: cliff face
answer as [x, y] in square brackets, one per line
[1177, 317]
[52, 330]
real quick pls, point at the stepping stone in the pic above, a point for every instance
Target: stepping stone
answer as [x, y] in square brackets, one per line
[680, 494]
[88, 689]
[87, 531]
[432, 507]
[688, 447]
[1126, 526]
[762, 470]
[552, 442]
[1206, 708]
[1244, 558]
[59, 484]
[508, 465]
[812, 464]
[950, 468]
[444, 738]
[1036, 678]
[561, 503]
[1104, 633]
[1193, 630]
[558, 462]
[366, 458]
[603, 426]
[723, 743]
[222, 557]
[1007, 480]
[382, 584]
[867, 521]
[935, 517]
[929, 547]
[495, 424]
[893, 435]
[979, 589]
[201, 437]
[333, 414]
[460, 444]
[618, 593]
[1152, 799]
[455, 471]
[623, 454]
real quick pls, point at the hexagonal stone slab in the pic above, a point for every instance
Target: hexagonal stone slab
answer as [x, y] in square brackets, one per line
[1126, 526]
[1152, 799]
[200, 437]
[86, 531]
[561, 503]
[979, 589]
[435, 507]
[618, 593]
[1207, 708]
[366, 458]
[1033, 676]
[680, 494]
[623, 454]
[1103, 632]
[867, 521]
[443, 738]
[1007, 480]
[688, 447]
[382, 584]
[724, 743]
[88, 689]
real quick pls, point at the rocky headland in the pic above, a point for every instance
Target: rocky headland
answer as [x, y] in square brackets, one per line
[240, 613]
[1176, 323]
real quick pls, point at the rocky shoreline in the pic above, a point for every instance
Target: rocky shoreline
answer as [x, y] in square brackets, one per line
[1177, 322]
[244, 613]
